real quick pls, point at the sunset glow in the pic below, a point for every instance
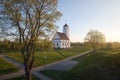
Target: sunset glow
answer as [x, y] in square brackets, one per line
[83, 15]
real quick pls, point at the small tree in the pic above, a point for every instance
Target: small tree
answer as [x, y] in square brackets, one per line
[95, 39]
[29, 20]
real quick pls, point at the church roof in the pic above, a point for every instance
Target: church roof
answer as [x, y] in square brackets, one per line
[62, 36]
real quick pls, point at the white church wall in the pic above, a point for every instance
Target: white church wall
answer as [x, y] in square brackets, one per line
[68, 43]
[61, 43]
[65, 43]
[56, 43]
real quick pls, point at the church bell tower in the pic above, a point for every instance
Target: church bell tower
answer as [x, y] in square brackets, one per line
[66, 30]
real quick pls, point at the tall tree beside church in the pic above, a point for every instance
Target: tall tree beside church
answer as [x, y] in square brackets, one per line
[95, 38]
[29, 20]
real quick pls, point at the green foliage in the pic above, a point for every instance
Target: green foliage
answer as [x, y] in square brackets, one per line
[8, 45]
[112, 45]
[30, 21]
[45, 45]
[6, 67]
[95, 39]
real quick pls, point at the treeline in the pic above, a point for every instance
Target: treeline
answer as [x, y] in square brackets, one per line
[43, 45]
[106, 46]
[112, 45]
[8, 45]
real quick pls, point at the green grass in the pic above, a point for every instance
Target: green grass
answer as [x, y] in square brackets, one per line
[55, 75]
[91, 59]
[46, 58]
[6, 68]
[42, 58]
[97, 66]
[73, 51]
[23, 78]
[101, 65]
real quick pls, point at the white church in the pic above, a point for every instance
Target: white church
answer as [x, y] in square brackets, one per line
[61, 40]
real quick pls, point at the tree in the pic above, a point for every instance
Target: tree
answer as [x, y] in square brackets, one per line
[29, 20]
[95, 38]
[46, 45]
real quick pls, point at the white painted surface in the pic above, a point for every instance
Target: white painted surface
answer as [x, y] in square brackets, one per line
[60, 43]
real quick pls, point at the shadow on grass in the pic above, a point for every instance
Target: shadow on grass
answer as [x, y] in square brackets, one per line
[54, 74]
[7, 71]
[61, 54]
[101, 65]
[23, 78]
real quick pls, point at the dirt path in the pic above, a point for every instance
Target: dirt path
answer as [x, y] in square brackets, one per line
[21, 72]
[65, 64]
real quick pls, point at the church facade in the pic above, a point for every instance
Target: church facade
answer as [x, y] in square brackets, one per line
[61, 40]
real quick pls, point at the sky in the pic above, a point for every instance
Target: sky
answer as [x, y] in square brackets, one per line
[83, 15]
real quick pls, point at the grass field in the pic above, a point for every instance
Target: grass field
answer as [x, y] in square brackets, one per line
[42, 58]
[23, 78]
[100, 65]
[72, 51]
[54, 74]
[6, 67]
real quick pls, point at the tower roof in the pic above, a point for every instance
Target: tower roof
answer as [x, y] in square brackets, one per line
[66, 25]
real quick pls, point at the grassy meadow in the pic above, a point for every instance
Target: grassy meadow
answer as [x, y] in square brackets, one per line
[23, 78]
[41, 58]
[6, 68]
[100, 65]
[46, 57]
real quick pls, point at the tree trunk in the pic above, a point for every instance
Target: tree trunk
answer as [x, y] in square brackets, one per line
[28, 54]
[28, 63]
[28, 66]
[28, 74]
